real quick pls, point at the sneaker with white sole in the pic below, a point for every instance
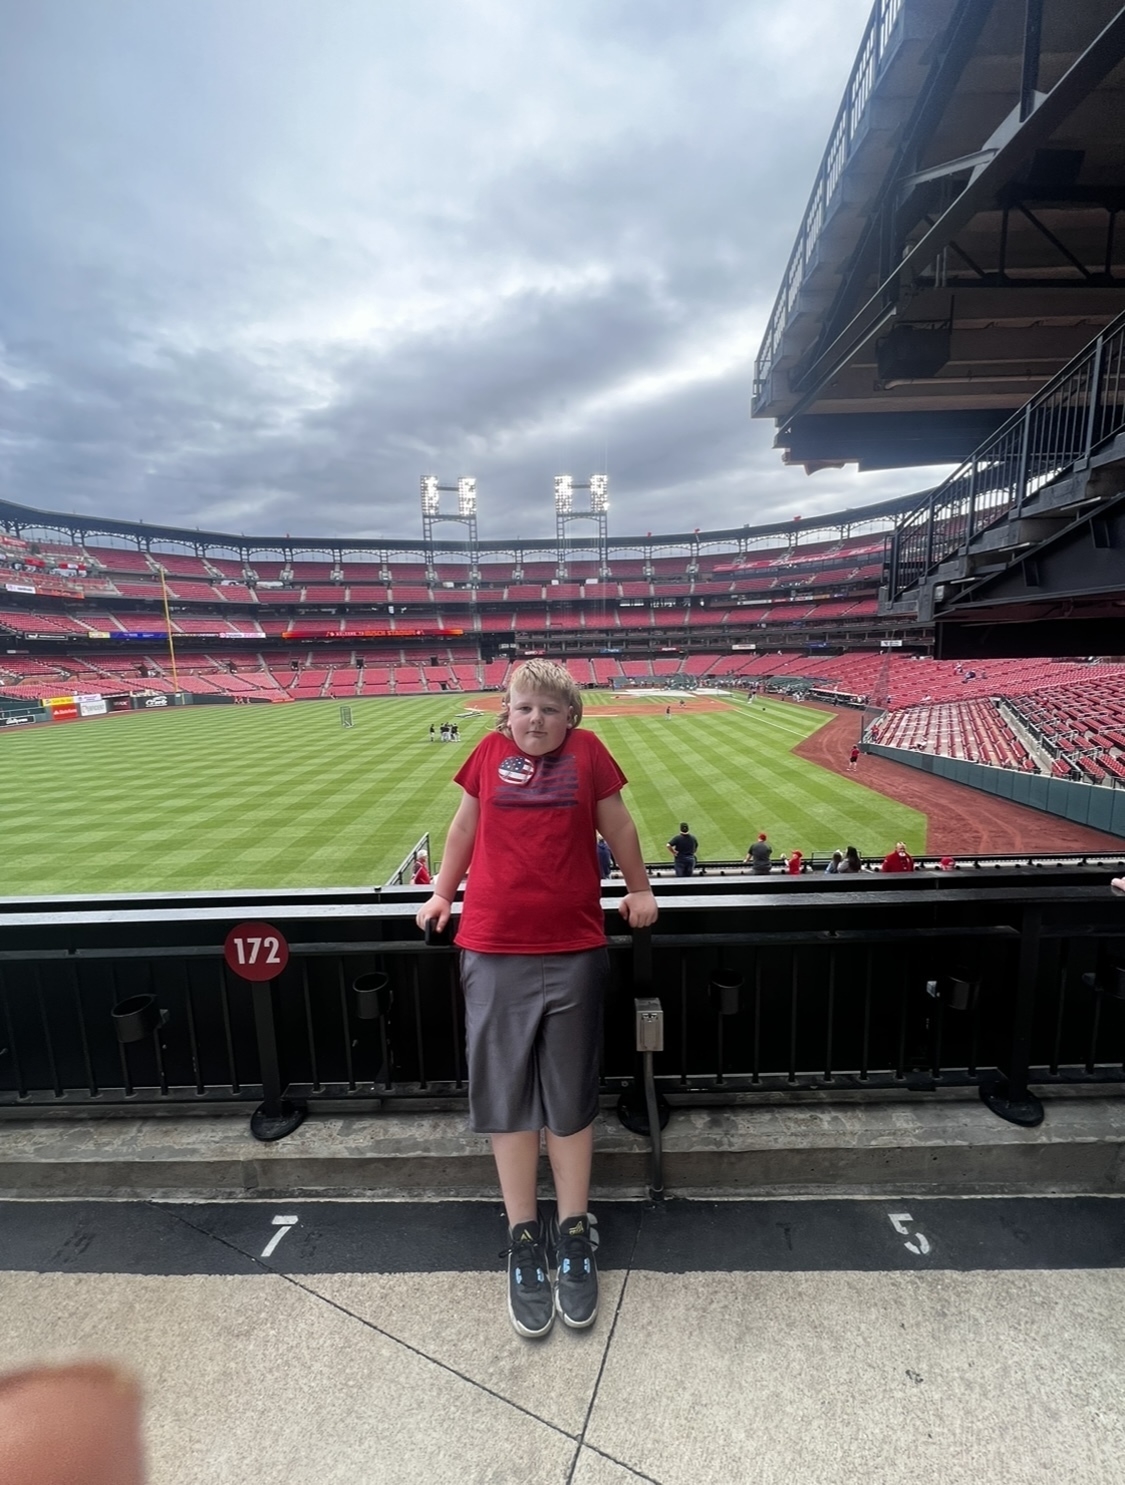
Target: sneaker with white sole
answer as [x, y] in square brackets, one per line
[573, 1241]
[530, 1302]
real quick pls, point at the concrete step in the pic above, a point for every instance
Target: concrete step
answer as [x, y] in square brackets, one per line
[944, 1145]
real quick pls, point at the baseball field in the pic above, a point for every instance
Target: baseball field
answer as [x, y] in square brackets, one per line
[212, 797]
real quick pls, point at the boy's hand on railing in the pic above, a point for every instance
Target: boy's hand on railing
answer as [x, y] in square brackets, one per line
[435, 910]
[638, 908]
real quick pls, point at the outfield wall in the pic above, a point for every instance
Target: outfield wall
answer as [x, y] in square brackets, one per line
[1096, 805]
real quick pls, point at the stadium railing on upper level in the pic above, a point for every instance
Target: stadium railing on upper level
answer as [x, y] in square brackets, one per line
[873, 50]
[1003, 980]
[1061, 427]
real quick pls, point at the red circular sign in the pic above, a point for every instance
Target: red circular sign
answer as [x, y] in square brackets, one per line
[256, 951]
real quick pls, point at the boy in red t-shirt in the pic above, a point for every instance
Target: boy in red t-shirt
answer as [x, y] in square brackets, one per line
[533, 968]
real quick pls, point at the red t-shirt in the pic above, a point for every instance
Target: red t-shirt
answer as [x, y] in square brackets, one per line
[534, 884]
[894, 862]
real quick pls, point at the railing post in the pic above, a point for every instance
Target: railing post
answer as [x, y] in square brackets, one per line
[641, 1108]
[1021, 462]
[275, 1117]
[970, 523]
[1094, 395]
[1009, 1096]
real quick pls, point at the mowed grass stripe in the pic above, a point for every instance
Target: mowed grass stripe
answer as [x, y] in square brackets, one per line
[214, 797]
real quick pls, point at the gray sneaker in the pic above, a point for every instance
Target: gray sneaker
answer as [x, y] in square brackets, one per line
[530, 1305]
[576, 1281]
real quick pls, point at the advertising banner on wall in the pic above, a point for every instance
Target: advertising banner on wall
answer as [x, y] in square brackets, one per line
[53, 701]
[119, 703]
[93, 707]
[64, 713]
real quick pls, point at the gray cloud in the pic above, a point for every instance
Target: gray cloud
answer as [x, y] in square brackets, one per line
[269, 263]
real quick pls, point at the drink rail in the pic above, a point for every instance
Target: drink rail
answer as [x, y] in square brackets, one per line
[994, 979]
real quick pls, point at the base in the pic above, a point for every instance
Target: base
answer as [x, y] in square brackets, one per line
[633, 1113]
[1025, 1109]
[267, 1127]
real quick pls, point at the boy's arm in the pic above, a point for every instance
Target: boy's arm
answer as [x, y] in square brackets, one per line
[454, 864]
[638, 906]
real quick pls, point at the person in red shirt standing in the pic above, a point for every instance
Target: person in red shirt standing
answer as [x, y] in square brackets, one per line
[853, 756]
[898, 860]
[421, 877]
[536, 792]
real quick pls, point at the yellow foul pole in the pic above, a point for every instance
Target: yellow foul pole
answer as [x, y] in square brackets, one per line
[168, 622]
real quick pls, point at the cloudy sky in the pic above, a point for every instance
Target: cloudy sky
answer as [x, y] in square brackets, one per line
[266, 262]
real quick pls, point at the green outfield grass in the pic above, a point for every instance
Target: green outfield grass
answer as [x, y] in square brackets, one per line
[268, 796]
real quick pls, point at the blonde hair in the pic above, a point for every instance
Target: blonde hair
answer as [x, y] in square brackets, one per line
[547, 678]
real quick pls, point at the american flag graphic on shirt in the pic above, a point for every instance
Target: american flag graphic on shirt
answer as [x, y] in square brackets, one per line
[553, 785]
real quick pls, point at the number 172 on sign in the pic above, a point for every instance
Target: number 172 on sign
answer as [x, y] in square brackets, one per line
[256, 951]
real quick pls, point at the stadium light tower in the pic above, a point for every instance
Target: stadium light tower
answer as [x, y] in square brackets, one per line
[598, 486]
[466, 491]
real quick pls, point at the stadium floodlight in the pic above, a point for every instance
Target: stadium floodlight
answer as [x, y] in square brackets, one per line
[564, 494]
[431, 496]
[466, 497]
[599, 493]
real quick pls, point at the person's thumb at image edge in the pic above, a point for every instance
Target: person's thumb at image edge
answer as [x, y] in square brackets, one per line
[71, 1424]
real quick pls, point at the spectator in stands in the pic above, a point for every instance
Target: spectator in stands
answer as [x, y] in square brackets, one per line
[834, 865]
[534, 965]
[421, 877]
[605, 857]
[759, 856]
[683, 848]
[899, 859]
[946, 863]
[795, 865]
[851, 862]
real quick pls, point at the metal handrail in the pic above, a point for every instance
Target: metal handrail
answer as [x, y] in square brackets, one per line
[938, 982]
[873, 51]
[1080, 408]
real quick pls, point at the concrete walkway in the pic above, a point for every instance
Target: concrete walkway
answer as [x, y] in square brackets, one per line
[782, 1341]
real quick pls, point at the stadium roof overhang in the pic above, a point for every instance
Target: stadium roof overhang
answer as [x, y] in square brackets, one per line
[969, 244]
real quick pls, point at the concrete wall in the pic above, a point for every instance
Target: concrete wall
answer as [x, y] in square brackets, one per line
[1095, 805]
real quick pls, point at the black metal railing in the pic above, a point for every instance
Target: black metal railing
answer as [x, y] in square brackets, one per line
[996, 979]
[1062, 425]
[874, 48]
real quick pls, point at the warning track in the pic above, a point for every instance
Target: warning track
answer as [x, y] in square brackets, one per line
[959, 821]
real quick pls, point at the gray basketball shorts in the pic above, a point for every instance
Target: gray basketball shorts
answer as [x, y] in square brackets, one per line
[533, 1025]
